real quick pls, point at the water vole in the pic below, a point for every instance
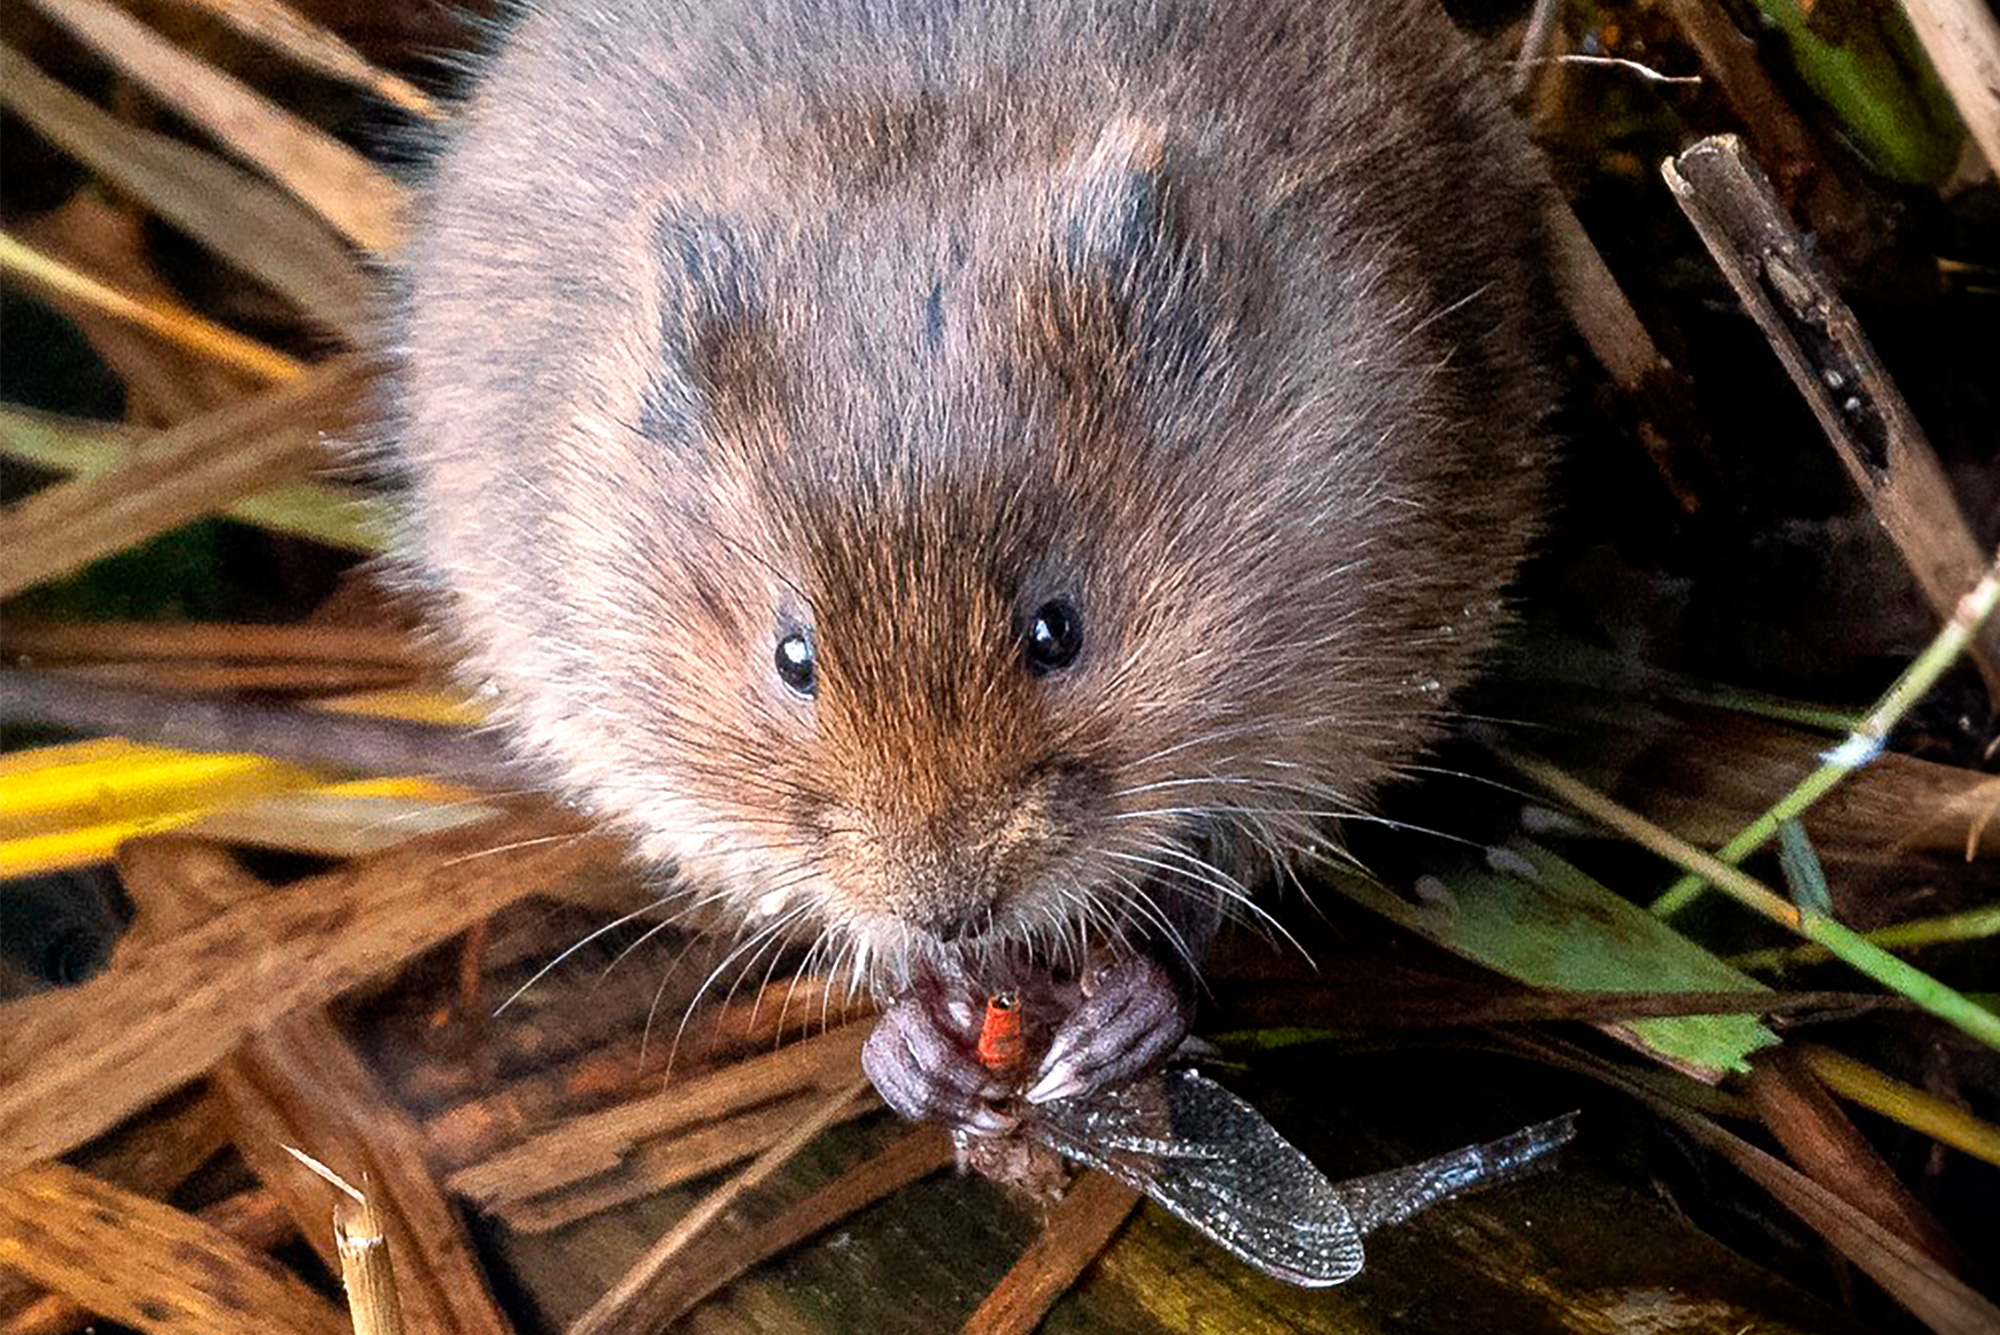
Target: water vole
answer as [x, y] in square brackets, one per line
[972, 479]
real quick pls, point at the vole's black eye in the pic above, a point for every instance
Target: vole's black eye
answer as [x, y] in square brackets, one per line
[796, 664]
[1053, 636]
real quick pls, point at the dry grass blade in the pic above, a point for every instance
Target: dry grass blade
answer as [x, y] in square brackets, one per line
[254, 1218]
[203, 639]
[1077, 1231]
[350, 743]
[337, 516]
[341, 821]
[259, 229]
[163, 319]
[1932, 1294]
[159, 1016]
[624, 1308]
[1962, 39]
[705, 1270]
[1941, 1121]
[284, 29]
[145, 1264]
[1829, 1148]
[190, 471]
[164, 386]
[1821, 345]
[343, 187]
[669, 1161]
[152, 1155]
[583, 1147]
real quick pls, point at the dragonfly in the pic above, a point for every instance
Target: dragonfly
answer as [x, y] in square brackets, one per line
[1213, 1161]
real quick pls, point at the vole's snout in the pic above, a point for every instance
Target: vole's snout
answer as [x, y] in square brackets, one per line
[956, 923]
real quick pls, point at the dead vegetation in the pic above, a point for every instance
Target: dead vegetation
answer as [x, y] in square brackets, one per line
[333, 881]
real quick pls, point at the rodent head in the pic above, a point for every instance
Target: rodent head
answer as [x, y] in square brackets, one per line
[961, 559]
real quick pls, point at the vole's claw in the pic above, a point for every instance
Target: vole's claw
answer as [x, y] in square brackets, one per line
[925, 1071]
[1136, 1014]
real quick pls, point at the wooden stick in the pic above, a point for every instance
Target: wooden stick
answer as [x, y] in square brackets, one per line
[367, 1269]
[618, 1310]
[81, 1059]
[301, 1083]
[145, 1264]
[1822, 348]
[1078, 1230]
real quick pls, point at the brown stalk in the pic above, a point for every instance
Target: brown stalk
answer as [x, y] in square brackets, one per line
[351, 743]
[597, 1143]
[623, 1307]
[162, 1014]
[195, 678]
[254, 1218]
[210, 640]
[1822, 348]
[367, 1270]
[298, 1083]
[182, 474]
[670, 1161]
[357, 198]
[1818, 1136]
[715, 1262]
[147, 1265]
[1077, 1231]
[1658, 393]
[1962, 38]
[284, 29]
[162, 318]
[151, 1155]
[164, 386]
[256, 227]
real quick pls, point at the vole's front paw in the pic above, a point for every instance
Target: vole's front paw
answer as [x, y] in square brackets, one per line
[924, 1060]
[1135, 1012]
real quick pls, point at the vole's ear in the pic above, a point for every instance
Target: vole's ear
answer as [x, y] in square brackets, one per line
[1124, 245]
[709, 353]
[1113, 218]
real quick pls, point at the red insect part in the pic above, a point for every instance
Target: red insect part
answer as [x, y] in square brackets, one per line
[1000, 1034]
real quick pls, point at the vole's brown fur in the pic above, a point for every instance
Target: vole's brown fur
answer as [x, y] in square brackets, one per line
[889, 322]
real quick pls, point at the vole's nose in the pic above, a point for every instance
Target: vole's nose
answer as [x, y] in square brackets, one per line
[957, 923]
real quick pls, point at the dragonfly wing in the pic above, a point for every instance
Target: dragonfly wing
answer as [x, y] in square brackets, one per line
[1213, 1161]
